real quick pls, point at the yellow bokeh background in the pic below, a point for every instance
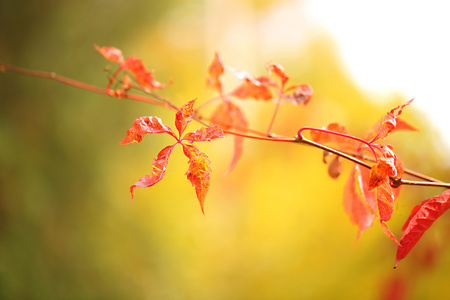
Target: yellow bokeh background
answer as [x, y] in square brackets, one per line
[274, 228]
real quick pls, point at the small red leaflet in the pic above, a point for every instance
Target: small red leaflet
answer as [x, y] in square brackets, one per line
[134, 65]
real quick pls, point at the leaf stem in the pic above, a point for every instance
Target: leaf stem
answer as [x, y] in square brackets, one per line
[277, 107]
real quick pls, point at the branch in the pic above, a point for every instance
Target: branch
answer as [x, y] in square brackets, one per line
[301, 139]
[81, 85]
[160, 101]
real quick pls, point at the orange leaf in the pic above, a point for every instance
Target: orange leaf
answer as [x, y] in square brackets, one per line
[111, 53]
[215, 70]
[254, 88]
[421, 218]
[144, 125]
[144, 77]
[402, 125]
[359, 202]
[158, 170]
[229, 116]
[301, 95]
[387, 124]
[385, 200]
[198, 172]
[204, 134]
[279, 72]
[386, 167]
[184, 116]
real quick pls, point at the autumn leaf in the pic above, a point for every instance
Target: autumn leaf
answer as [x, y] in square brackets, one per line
[134, 65]
[215, 70]
[328, 137]
[385, 200]
[403, 125]
[388, 165]
[184, 116]
[144, 77]
[421, 218]
[144, 125]
[229, 116]
[387, 124]
[204, 134]
[359, 202]
[254, 88]
[301, 94]
[111, 53]
[158, 170]
[337, 135]
[198, 172]
[199, 164]
[279, 72]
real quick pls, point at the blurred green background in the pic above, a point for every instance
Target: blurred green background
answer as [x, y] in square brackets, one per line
[274, 228]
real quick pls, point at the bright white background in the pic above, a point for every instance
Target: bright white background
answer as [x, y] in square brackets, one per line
[394, 46]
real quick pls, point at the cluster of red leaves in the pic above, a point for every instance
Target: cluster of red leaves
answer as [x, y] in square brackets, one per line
[369, 194]
[230, 116]
[199, 164]
[132, 64]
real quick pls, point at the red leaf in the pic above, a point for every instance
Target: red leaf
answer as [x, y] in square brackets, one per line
[144, 77]
[111, 53]
[402, 125]
[198, 172]
[229, 116]
[254, 88]
[204, 134]
[422, 217]
[143, 126]
[359, 202]
[302, 94]
[386, 167]
[413, 212]
[184, 116]
[387, 124]
[279, 72]
[158, 170]
[385, 200]
[215, 70]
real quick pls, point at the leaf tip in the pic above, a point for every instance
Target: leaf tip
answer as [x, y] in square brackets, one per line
[132, 191]
[126, 141]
